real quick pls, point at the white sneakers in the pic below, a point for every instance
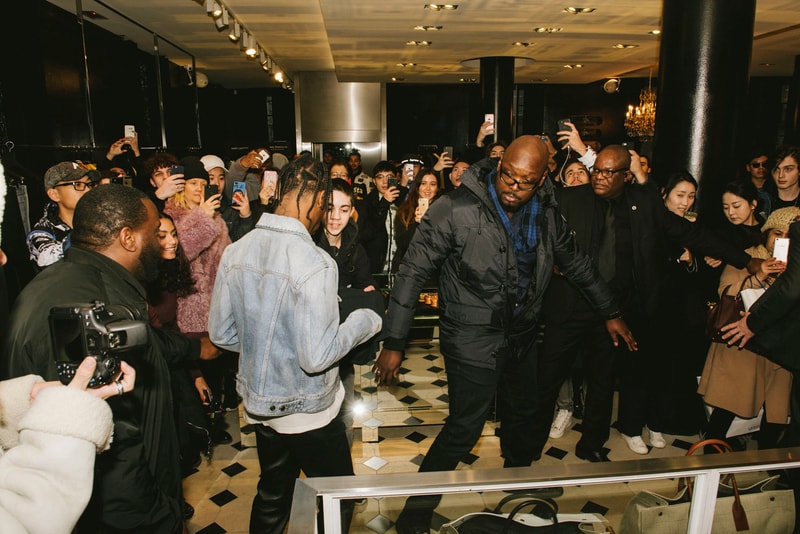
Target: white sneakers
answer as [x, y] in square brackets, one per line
[637, 445]
[657, 439]
[561, 424]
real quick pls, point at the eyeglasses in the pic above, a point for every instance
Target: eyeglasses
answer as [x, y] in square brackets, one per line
[511, 182]
[786, 169]
[78, 186]
[758, 164]
[607, 174]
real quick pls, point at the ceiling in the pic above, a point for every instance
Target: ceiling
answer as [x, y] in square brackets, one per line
[364, 41]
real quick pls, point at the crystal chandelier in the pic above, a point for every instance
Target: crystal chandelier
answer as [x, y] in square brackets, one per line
[640, 121]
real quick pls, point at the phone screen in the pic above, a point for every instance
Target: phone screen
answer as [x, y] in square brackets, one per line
[130, 130]
[270, 178]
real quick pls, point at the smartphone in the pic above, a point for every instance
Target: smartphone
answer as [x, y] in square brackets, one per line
[408, 171]
[781, 249]
[423, 204]
[449, 150]
[242, 188]
[270, 179]
[393, 183]
[130, 130]
[210, 191]
[488, 117]
[264, 155]
[562, 126]
[176, 169]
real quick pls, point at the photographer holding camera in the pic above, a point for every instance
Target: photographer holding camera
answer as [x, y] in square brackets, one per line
[114, 248]
[124, 154]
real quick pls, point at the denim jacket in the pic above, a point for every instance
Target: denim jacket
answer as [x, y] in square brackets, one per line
[275, 302]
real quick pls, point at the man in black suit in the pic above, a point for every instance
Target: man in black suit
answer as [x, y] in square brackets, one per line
[628, 249]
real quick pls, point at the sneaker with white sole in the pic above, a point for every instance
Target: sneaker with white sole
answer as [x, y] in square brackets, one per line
[656, 439]
[636, 444]
[561, 424]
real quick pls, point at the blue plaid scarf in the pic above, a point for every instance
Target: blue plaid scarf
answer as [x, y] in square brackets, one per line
[524, 231]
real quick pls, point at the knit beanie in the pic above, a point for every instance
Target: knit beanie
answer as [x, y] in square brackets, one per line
[781, 219]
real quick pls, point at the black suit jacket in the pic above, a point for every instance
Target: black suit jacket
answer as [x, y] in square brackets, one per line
[775, 317]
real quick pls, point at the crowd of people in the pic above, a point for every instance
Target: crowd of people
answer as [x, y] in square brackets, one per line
[262, 280]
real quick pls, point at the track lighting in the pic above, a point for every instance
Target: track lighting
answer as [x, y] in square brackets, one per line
[251, 50]
[278, 76]
[223, 21]
[213, 8]
[236, 31]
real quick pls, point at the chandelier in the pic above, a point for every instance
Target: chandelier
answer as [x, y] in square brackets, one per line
[640, 121]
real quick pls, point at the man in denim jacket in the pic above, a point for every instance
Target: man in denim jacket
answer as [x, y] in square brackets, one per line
[275, 302]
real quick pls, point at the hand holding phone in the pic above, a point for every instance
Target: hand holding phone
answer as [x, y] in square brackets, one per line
[210, 191]
[423, 204]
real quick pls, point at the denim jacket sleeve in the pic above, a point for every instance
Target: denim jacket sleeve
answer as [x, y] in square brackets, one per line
[317, 311]
[221, 322]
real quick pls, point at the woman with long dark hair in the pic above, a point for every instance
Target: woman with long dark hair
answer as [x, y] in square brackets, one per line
[424, 192]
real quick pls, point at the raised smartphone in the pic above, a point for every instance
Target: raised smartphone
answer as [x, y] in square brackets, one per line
[423, 204]
[488, 117]
[449, 150]
[562, 126]
[408, 171]
[242, 188]
[270, 179]
[210, 191]
[264, 155]
[130, 130]
[176, 169]
[781, 249]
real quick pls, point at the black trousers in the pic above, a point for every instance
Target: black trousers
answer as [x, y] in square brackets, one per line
[563, 341]
[322, 452]
[472, 390]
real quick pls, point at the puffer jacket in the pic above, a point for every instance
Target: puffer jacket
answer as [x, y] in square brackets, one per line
[463, 236]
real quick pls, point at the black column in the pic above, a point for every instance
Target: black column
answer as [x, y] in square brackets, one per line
[703, 76]
[497, 91]
[791, 134]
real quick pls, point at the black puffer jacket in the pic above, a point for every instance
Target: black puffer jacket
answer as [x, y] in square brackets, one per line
[463, 235]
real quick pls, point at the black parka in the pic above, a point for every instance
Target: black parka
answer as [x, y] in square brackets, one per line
[463, 236]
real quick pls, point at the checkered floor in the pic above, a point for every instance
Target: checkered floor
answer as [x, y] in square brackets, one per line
[398, 425]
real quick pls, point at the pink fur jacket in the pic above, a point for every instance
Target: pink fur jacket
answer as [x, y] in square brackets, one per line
[203, 240]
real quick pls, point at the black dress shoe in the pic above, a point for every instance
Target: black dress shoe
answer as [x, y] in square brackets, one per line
[592, 456]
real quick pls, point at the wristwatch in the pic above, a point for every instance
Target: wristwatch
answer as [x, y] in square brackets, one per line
[614, 315]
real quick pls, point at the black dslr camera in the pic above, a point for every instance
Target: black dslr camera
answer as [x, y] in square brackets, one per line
[94, 329]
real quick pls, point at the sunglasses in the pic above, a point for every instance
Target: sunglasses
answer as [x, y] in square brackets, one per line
[758, 164]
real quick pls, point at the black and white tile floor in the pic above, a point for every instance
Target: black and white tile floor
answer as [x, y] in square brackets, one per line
[398, 425]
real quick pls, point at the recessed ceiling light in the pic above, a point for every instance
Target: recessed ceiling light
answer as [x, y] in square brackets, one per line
[418, 43]
[428, 28]
[441, 7]
[576, 66]
[622, 45]
[546, 30]
[468, 80]
[406, 64]
[396, 79]
[578, 10]
[654, 32]
[520, 43]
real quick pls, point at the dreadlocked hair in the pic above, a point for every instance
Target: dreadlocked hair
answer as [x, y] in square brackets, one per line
[304, 174]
